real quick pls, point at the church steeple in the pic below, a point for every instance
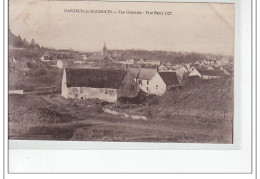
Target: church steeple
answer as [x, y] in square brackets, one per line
[104, 50]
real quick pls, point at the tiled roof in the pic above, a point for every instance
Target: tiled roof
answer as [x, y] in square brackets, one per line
[170, 78]
[95, 78]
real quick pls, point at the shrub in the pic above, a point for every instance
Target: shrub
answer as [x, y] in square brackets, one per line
[149, 114]
[99, 109]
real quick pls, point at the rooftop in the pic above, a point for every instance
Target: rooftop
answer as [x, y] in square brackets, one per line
[95, 78]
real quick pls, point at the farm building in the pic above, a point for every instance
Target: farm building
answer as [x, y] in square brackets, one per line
[225, 71]
[61, 64]
[45, 57]
[103, 84]
[224, 60]
[149, 62]
[162, 68]
[194, 74]
[170, 79]
[127, 62]
[210, 68]
[84, 57]
[206, 74]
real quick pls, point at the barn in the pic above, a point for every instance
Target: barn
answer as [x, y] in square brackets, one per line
[103, 84]
[206, 74]
[170, 79]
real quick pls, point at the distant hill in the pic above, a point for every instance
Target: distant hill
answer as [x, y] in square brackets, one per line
[164, 56]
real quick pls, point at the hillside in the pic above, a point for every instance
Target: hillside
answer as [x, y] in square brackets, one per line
[192, 114]
[213, 99]
[204, 98]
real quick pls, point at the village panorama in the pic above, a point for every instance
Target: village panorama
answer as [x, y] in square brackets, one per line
[133, 95]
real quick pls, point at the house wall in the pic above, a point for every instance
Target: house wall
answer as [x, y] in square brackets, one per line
[155, 86]
[105, 94]
[206, 77]
[195, 73]
[64, 85]
[61, 64]
[181, 72]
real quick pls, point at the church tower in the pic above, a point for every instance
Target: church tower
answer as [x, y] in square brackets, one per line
[104, 50]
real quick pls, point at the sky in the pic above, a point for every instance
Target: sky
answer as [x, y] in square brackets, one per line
[192, 27]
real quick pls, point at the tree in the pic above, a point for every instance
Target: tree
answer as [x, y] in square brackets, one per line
[25, 43]
[32, 44]
[37, 46]
[18, 42]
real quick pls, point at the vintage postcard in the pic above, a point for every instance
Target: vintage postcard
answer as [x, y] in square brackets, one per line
[121, 71]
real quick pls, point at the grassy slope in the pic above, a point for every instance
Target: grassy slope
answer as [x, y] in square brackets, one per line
[196, 117]
[210, 99]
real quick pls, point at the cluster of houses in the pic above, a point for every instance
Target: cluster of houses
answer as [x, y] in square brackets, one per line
[81, 82]
[110, 84]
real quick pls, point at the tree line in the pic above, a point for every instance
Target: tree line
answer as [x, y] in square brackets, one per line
[18, 42]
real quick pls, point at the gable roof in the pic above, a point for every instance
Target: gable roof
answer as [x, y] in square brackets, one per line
[95, 78]
[134, 72]
[211, 72]
[210, 68]
[146, 74]
[169, 78]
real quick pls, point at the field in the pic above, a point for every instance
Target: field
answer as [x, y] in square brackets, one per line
[198, 113]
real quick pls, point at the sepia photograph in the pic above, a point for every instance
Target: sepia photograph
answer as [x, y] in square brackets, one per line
[159, 72]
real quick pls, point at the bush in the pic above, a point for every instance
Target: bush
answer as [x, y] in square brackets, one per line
[99, 109]
[38, 72]
[149, 114]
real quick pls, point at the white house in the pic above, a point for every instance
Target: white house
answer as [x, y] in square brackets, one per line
[61, 64]
[45, 57]
[181, 73]
[150, 81]
[78, 61]
[149, 62]
[210, 68]
[194, 73]
[225, 71]
[224, 60]
[84, 57]
[127, 62]
[218, 63]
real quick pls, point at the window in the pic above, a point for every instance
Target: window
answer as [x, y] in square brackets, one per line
[140, 82]
[147, 88]
[132, 87]
[147, 82]
[156, 86]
